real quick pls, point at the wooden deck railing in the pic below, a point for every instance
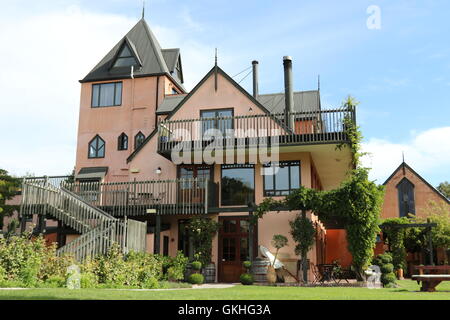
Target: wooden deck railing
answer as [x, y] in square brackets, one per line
[180, 196]
[99, 230]
[324, 126]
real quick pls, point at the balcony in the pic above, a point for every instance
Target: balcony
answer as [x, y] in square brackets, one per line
[133, 198]
[249, 131]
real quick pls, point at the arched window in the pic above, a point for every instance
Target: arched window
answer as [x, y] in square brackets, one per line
[96, 148]
[406, 198]
[138, 140]
[122, 143]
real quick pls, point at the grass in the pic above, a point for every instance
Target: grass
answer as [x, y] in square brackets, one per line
[408, 290]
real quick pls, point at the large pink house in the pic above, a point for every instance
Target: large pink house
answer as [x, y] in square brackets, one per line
[150, 151]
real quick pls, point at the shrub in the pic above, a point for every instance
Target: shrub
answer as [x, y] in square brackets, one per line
[387, 268]
[196, 278]
[55, 282]
[196, 265]
[384, 261]
[246, 279]
[247, 264]
[177, 267]
[388, 279]
[2, 274]
[150, 283]
[88, 280]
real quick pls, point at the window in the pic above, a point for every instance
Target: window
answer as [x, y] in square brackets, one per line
[106, 94]
[122, 143]
[213, 120]
[138, 140]
[96, 148]
[282, 178]
[238, 185]
[406, 198]
[125, 58]
[190, 172]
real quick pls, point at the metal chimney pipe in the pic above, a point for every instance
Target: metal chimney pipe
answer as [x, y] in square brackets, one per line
[289, 92]
[255, 79]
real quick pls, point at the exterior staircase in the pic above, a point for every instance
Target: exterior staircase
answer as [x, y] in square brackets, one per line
[99, 230]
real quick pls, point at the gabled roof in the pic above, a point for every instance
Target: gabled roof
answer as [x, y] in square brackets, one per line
[187, 97]
[145, 45]
[406, 166]
[172, 57]
[303, 101]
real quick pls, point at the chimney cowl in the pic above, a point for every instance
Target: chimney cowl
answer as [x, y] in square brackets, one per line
[287, 58]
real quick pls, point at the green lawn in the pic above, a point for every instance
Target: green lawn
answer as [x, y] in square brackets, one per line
[408, 290]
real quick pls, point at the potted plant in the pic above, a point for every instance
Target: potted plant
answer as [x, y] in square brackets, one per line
[278, 241]
[247, 278]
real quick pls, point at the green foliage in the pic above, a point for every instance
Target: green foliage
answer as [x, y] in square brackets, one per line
[196, 265]
[246, 279]
[387, 268]
[388, 279]
[196, 278]
[247, 264]
[444, 188]
[202, 230]
[439, 213]
[352, 132]
[88, 280]
[29, 262]
[55, 282]
[395, 239]
[278, 241]
[176, 267]
[358, 204]
[303, 232]
[384, 261]
[9, 187]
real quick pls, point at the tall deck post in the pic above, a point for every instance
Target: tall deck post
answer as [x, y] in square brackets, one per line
[430, 244]
[157, 235]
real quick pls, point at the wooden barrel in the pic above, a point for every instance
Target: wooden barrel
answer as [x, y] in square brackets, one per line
[209, 272]
[259, 270]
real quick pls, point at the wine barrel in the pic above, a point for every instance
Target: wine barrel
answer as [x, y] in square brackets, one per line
[259, 270]
[209, 272]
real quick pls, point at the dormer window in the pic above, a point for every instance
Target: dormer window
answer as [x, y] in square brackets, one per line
[126, 58]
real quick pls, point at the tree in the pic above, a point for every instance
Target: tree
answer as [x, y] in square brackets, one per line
[9, 187]
[202, 230]
[439, 213]
[278, 241]
[357, 203]
[444, 188]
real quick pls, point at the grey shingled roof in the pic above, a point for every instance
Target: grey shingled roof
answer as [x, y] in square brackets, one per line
[147, 47]
[303, 101]
[172, 56]
[169, 103]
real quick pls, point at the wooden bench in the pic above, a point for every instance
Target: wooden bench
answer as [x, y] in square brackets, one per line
[430, 281]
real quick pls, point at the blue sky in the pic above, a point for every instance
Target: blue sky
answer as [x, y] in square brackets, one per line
[400, 73]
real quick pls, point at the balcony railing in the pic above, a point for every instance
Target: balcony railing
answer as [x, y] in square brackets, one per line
[312, 127]
[179, 196]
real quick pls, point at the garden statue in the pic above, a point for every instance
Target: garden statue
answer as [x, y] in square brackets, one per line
[73, 277]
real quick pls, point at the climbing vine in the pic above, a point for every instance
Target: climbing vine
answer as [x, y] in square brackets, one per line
[356, 203]
[396, 240]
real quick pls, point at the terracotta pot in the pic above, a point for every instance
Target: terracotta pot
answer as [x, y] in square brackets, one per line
[271, 275]
[400, 274]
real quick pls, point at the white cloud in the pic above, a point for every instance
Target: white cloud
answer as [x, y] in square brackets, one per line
[43, 57]
[427, 152]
